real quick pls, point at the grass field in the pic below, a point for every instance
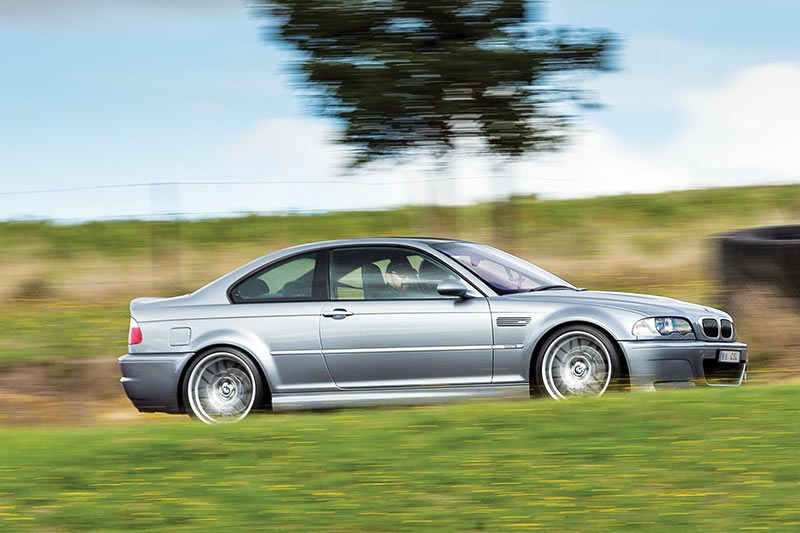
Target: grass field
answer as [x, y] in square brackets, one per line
[37, 331]
[698, 460]
[64, 289]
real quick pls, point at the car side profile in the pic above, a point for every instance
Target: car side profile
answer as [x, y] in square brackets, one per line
[409, 320]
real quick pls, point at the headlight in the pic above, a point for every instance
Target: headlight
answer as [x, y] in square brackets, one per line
[654, 327]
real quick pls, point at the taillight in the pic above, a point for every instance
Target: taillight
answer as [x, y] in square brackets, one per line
[134, 333]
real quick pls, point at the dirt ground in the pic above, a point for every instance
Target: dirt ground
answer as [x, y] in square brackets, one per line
[68, 393]
[87, 392]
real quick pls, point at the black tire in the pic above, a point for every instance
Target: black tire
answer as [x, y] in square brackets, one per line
[222, 385]
[577, 360]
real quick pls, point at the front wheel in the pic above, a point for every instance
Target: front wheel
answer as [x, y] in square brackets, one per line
[222, 386]
[577, 361]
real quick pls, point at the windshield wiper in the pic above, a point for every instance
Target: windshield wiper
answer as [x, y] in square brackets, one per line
[554, 286]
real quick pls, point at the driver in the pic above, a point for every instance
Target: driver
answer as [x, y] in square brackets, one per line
[400, 275]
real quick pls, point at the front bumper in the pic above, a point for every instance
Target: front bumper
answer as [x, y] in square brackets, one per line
[657, 364]
[152, 381]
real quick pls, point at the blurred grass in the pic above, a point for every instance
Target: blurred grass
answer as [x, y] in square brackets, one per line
[64, 289]
[40, 331]
[535, 221]
[700, 460]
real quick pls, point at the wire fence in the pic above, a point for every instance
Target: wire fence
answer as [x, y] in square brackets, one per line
[235, 197]
[162, 251]
[147, 200]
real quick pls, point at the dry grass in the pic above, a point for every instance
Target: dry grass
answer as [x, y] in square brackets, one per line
[768, 321]
[658, 244]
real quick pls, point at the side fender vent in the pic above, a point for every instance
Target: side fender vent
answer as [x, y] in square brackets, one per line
[513, 321]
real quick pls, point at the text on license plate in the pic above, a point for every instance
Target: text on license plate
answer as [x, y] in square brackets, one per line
[729, 356]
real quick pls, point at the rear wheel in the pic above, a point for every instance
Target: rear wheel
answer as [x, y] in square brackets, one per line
[577, 361]
[222, 386]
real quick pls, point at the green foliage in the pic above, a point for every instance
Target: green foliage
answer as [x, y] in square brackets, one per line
[410, 75]
[710, 460]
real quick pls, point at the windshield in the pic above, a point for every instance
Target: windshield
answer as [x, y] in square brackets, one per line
[503, 272]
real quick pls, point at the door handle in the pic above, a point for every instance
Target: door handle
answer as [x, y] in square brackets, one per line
[337, 313]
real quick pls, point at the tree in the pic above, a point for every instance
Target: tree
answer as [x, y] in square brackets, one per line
[411, 76]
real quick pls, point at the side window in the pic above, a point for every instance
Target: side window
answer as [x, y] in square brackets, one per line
[431, 273]
[292, 279]
[350, 275]
[382, 273]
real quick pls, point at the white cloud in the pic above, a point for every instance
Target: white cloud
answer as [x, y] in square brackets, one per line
[596, 163]
[744, 131]
[304, 145]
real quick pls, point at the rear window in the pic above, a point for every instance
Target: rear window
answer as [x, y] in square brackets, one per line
[297, 278]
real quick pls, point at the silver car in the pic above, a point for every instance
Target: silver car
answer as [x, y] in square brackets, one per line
[405, 320]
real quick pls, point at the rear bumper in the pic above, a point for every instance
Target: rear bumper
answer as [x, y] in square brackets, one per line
[152, 381]
[661, 364]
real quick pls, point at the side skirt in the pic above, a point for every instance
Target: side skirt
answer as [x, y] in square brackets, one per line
[404, 396]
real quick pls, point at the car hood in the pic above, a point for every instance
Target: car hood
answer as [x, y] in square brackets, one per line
[645, 304]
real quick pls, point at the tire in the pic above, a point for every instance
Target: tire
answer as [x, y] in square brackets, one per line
[222, 386]
[577, 361]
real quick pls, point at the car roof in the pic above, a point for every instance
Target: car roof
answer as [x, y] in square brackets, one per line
[386, 240]
[367, 241]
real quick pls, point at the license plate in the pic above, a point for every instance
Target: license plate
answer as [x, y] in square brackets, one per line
[729, 356]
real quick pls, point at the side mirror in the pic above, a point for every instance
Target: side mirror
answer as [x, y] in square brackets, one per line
[452, 287]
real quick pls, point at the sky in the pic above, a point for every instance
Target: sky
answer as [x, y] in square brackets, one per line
[146, 108]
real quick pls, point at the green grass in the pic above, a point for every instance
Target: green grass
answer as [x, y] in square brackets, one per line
[39, 331]
[532, 218]
[700, 460]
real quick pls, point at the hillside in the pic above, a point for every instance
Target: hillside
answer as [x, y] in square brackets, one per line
[64, 289]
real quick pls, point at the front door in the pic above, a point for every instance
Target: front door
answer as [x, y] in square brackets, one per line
[386, 325]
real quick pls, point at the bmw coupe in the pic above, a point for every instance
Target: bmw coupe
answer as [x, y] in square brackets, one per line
[409, 320]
